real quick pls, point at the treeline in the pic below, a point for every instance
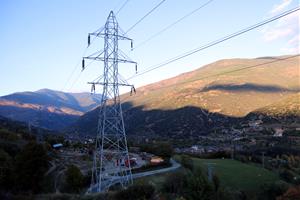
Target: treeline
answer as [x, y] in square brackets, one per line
[23, 171]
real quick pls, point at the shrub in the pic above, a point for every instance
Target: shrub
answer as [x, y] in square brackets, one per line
[136, 192]
[74, 179]
[187, 162]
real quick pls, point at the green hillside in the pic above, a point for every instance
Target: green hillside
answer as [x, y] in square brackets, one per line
[215, 95]
[289, 106]
[233, 87]
[237, 175]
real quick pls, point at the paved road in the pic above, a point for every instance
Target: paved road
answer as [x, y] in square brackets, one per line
[175, 165]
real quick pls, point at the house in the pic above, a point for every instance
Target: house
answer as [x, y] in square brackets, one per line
[195, 148]
[132, 161]
[278, 132]
[156, 160]
[255, 123]
[57, 146]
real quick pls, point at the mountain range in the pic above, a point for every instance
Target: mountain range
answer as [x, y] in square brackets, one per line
[192, 104]
[47, 108]
[218, 94]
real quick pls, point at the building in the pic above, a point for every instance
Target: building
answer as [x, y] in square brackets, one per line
[156, 160]
[57, 146]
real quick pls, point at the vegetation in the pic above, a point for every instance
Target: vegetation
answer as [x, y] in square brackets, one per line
[74, 179]
[163, 149]
[25, 171]
[198, 101]
[187, 162]
[237, 175]
[31, 165]
[136, 192]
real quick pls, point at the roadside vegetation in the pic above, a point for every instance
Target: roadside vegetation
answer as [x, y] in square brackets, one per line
[25, 164]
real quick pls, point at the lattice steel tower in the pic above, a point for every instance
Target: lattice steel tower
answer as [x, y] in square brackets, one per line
[111, 164]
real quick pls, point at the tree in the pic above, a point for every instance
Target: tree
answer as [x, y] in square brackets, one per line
[31, 165]
[74, 179]
[175, 183]
[163, 149]
[271, 191]
[189, 185]
[187, 162]
[6, 173]
[198, 187]
[291, 193]
[216, 182]
[136, 192]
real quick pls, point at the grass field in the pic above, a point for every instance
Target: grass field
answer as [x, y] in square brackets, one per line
[156, 180]
[238, 175]
[233, 174]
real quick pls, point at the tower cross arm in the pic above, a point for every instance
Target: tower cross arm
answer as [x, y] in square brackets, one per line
[109, 59]
[110, 84]
[120, 37]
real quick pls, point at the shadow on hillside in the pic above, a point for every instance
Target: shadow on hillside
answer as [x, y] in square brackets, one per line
[268, 57]
[39, 118]
[47, 97]
[178, 123]
[247, 87]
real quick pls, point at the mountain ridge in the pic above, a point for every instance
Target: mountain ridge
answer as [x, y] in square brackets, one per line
[47, 108]
[225, 90]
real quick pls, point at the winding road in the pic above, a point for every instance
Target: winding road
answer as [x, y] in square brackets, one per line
[175, 165]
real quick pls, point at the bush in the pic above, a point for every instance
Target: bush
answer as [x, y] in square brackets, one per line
[291, 193]
[74, 179]
[271, 191]
[136, 192]
[6, 165]
[189, 185]
[31, 165]
[162, 149]
[187, 162]
[198, 187]
[287, 175]
[176, 183]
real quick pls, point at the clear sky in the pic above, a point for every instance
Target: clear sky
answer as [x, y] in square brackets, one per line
[42, 41]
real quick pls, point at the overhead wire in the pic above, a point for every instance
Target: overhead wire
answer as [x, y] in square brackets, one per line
[78, 63]
[223, 39]
[219, 74]
[123, 5]
[236, 70]
[74, 69]
[172, 24]
[148, 13]
[77, 78]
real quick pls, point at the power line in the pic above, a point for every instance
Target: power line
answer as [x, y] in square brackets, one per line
[123, 5]
[223, 39]
[78, 63]
[236, 70]
[219, 74]
[73, 71]
[173, 24]
[78, 76]
[145, 16]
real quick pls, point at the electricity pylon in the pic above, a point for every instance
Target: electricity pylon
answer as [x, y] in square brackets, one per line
[111, 164]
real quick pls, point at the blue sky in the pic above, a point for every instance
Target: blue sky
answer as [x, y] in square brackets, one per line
[42, 41]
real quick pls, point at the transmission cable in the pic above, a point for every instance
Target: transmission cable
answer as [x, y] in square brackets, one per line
[123, 5]
[218, 74]
[223, 39]
[172, 24]
[235, 70]
[160, 3]
[74, 69]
